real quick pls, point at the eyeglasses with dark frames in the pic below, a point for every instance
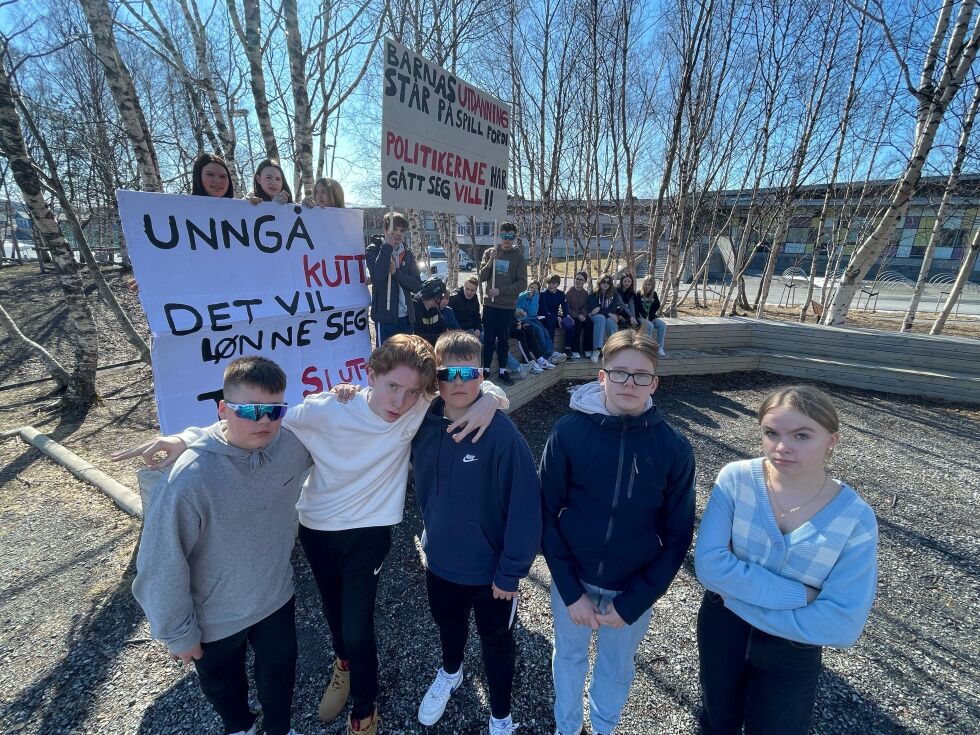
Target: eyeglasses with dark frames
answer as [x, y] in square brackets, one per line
[639, 379]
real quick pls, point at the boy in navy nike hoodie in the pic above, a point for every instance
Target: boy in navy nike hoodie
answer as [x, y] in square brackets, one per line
[481, 508]
[617, 487]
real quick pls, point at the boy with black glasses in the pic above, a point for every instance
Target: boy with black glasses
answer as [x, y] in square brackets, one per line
[213, 572]
[481, 508]
[617, 487]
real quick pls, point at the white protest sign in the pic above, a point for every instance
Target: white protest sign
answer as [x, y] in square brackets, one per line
[444, 143]
[221, 278]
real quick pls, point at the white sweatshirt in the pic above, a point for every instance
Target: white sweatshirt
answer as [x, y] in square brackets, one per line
[360, 461]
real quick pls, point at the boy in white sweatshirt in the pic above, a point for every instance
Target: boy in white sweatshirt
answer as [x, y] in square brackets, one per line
[352, 499]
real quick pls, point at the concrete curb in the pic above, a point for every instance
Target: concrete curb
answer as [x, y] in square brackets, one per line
[121, 495]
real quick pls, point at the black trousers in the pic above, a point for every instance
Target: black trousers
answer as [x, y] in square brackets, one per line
[346, 566]
[752, 678]
[583, 336]
[451, 604]
[221, 671]
[496, 334]
[528, 341]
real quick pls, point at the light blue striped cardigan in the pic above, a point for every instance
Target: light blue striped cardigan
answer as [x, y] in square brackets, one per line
[760, 572]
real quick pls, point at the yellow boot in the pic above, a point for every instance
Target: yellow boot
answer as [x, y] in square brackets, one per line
[335, 697]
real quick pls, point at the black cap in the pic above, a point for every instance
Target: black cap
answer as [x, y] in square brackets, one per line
[433, 288]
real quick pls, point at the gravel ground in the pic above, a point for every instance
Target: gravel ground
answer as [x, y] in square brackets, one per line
[75, 655]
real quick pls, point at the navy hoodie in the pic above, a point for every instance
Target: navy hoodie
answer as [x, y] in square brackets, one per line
[480, 503]
[618, 503]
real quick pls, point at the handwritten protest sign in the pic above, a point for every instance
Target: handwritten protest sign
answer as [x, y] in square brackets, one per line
[220, 279]
[444, 142]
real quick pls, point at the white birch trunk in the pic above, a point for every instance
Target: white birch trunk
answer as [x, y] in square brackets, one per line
[99, 17]
[934, 98]
[302, 120]
[80, 388]
[966, 268]
[937, 227]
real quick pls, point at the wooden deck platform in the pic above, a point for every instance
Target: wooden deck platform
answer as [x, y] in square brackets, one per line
[943, 368]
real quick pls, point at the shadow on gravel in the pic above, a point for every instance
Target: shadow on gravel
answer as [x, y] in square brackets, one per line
[62, 700]
[843, 710]
[911, 539]
[869, 404]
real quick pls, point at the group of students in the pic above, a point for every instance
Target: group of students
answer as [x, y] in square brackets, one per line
[789, 564]
[513, 307]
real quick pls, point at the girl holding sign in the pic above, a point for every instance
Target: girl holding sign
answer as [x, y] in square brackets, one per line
[328, 193]
[269, 184]
[211, 177]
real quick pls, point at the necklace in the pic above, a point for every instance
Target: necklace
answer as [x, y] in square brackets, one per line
[783, 512]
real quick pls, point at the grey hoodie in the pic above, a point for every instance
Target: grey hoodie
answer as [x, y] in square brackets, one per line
[217, 538]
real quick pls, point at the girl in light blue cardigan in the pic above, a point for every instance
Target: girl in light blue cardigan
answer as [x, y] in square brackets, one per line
[788, 559]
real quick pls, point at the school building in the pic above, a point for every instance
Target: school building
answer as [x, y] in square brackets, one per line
[852, 211]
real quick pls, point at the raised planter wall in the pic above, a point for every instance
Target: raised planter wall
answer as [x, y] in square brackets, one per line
[944, 368]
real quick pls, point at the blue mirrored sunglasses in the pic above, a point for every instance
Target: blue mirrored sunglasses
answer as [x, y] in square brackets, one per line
[255, 411]
[466, 374]
[508, 236]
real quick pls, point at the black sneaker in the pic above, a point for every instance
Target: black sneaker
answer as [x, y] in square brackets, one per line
[505, 378]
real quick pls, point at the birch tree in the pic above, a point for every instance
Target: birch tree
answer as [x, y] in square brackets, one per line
[815, 94]
[120, 82]
[962, 278]
[81, 327]
[941, 212]
[250, 35]
[936, 88]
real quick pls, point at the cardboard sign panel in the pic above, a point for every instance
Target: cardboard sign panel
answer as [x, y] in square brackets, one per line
[444, 143]
[221, 279]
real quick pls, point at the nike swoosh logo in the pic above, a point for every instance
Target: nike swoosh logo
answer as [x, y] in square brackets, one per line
[376, 571]
[469, 458]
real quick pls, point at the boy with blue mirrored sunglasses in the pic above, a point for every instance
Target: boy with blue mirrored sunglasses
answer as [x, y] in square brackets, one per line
[481, 511]
[256, 411]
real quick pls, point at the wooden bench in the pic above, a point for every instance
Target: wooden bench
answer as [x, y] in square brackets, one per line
[944, 368]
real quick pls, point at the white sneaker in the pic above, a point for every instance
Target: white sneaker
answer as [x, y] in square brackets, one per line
[504, 726]
[587, 354]
[595, 356]
[661, 352]
[435, 700]
[545, 364]
[576, 356]
[535, 368]
[523, 370]
[558, 357]
[250, 731]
